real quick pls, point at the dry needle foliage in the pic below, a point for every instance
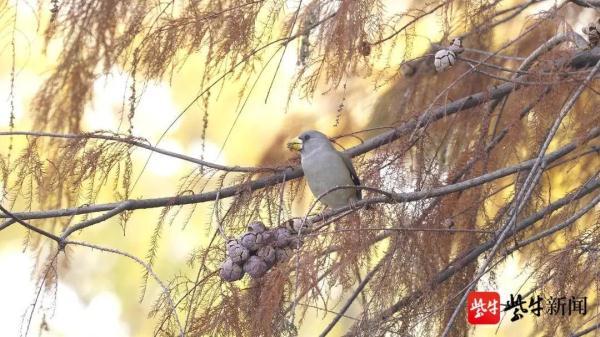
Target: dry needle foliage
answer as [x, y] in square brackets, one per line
[496, 156]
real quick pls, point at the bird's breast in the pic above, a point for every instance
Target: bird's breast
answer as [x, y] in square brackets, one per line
[325, 171]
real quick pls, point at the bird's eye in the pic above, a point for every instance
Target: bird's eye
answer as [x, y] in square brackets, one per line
[306, 137]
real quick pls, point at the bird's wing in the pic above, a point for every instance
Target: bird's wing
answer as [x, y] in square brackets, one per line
[353, 174]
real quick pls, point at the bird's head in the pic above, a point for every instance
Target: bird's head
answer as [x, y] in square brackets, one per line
[309, 140]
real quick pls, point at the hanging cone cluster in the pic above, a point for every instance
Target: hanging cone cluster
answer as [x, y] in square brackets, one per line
[593, 33]
[260, 249]
[445, 58]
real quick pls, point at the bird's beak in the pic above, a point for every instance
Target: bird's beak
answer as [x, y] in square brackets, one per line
[295, 145]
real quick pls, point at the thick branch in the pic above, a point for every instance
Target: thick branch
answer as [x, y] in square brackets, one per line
[440, 191]
[556, 228]
[582, 59]
[587, 3]
[128, 205]
[523, 195]
[473, 254]
[14, 218]
[586, 331]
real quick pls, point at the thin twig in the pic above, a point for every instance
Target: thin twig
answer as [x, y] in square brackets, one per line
[395, 33]
[137, 143]
[388, 197]
[350, 300]
[148, 268]
[523, 196]
[471, 255]
[405, 229]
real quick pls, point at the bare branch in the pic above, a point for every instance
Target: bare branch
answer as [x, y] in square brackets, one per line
[591, 328]
[524, 194]
[557, 227]
[115, 211]
[350, 300]
[138, 143]
[15, 218]
[147, 267]
[403, 28]
[580, 60]
[587, 3]
[388, 197]
[473, 254]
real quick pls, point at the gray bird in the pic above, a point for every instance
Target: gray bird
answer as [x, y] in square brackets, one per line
[325, 168]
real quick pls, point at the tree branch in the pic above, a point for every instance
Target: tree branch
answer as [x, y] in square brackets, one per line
[581, 59]
[523, 195]
[137, 143]
[586, 331]
[15, 218]
[473, 254]
[448, 189]
[147, 267]
[115, 211]
[129, 205]
[350, 300]
[587, 3]
[556, 228]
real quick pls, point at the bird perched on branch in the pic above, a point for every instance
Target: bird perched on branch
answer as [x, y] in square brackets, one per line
[326, 168]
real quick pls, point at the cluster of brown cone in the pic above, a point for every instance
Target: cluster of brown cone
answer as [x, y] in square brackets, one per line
[259, 249]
